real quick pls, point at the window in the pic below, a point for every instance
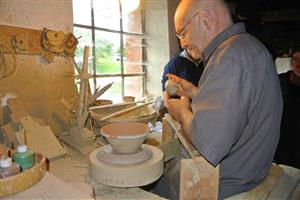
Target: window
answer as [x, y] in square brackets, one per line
[115, 37]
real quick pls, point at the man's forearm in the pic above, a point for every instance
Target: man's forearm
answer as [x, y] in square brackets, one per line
[186, 120]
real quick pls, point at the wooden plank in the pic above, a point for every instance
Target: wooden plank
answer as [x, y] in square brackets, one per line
[112, 193]
[198, 179]
[29, 38]
[82, 96]
[113, 105]
[124, 111]
[42, 139]
[50, 187]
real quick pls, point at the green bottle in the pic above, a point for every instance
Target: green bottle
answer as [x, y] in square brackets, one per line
[24, 157]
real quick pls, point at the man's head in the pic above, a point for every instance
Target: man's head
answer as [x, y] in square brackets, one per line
[296, 61]
[198, 22]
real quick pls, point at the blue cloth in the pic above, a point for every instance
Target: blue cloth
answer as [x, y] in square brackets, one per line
[184, 68]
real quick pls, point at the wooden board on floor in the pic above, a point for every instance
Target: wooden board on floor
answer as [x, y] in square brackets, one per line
[42, 139]
[50, 187]
[112, 193]
[198, 179]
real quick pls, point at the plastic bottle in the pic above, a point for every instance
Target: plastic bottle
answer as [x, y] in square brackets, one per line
[8, 168]
[24, 157]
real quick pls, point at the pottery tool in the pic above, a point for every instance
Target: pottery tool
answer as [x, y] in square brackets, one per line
[125, 111]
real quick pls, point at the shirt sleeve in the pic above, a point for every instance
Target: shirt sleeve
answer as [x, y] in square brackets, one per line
[220, 110]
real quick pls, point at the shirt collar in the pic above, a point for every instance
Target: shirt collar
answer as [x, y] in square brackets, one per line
[224, 35]
[184, 54]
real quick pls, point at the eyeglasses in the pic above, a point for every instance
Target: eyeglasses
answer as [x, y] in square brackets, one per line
[180, 35]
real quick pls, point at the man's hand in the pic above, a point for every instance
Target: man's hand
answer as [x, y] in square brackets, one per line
[178, 108]
[186, 88]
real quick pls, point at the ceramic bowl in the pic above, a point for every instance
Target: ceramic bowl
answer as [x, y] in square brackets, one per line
[125, 138]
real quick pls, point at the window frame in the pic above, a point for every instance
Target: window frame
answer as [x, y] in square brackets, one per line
[122, 75]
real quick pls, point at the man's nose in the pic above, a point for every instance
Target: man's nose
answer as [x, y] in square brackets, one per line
[183, 43]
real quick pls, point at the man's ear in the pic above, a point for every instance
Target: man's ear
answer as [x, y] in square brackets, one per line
[206, 20]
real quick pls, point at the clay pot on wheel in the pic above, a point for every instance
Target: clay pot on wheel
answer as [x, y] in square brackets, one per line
[125, 138]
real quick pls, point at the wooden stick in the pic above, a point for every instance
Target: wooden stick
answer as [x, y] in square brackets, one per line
[186, 144]
[114, 105]
[82, 90]
[25, 137]
[124, 111]
[98, 93]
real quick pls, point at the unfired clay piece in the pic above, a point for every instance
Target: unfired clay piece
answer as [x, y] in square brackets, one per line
[125, 138]
[109, 156]
[171, 87]
[135, 175]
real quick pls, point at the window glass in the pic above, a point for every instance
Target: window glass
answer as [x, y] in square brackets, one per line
[133, 86]
[85, 39]
[82, 12]
[107, 14]
[113, 93]
[107, 52]
[118, 49]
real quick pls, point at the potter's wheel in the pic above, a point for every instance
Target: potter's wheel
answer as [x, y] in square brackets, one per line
[126, 170]
[107, 155]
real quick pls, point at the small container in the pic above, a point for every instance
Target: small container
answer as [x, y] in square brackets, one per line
[24, 157]
[171, 87]
[8, 168]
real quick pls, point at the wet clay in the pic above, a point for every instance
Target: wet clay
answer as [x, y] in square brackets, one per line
[125, 129]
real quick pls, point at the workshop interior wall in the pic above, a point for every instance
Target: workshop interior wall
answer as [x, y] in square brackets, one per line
[40, 86]
[159, 48]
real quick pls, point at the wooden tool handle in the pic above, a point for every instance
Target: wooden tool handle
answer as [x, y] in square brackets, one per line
[124, 111]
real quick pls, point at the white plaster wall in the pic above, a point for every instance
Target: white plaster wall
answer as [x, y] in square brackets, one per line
[174, 42]
[156, 28]
[36, 14]
[40, 86]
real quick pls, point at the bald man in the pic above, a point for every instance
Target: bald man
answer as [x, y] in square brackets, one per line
[234, 117]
